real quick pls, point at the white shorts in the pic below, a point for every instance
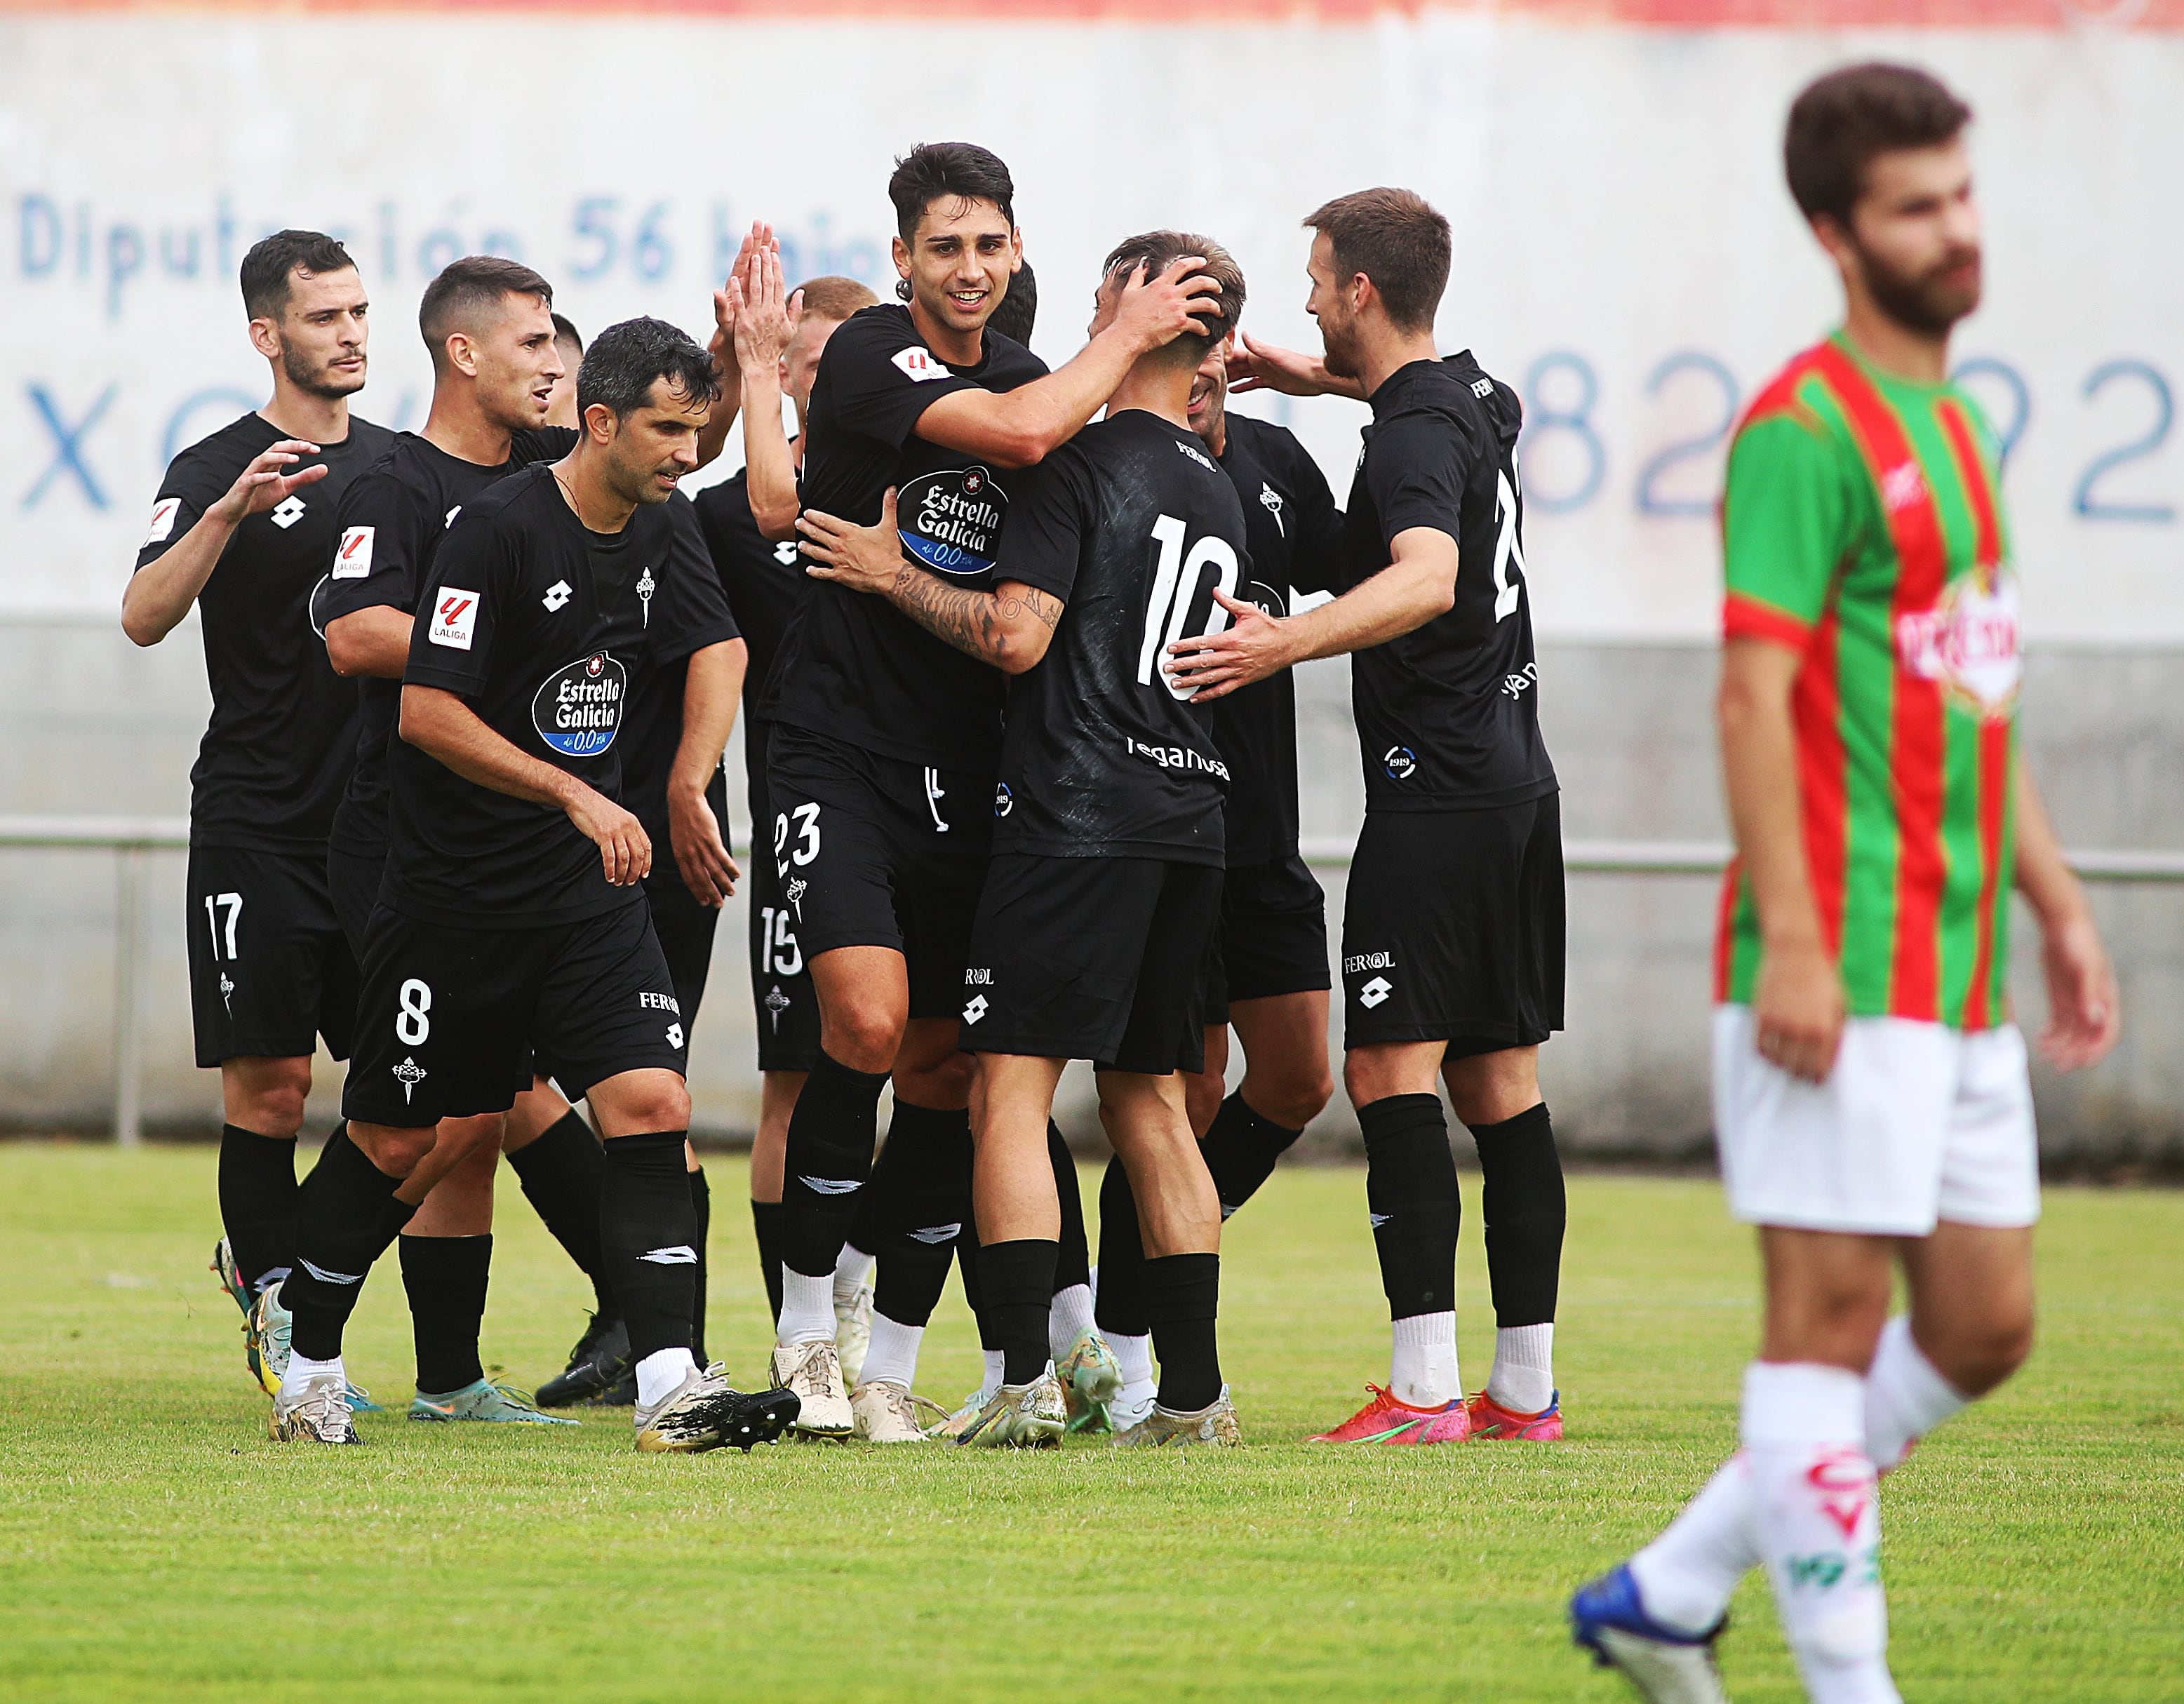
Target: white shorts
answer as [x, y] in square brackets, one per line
[1916, 1123]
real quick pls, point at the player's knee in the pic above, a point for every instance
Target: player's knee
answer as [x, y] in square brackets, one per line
[1296, 1096]
[1203, 1092]
[269, 1096]
[944, 1082]
[863, 1036]
[395, 1151]
[1982, 1355]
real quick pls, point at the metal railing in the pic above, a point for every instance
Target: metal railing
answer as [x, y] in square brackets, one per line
[134, 840]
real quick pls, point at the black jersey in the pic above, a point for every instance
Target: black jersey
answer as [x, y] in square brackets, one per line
[764, 580]
[544, 627]
[653, 727]
[1447, 715]
[854, 667]
[1293, 533]
[1132, 525]
[277, 749]
[391, 519]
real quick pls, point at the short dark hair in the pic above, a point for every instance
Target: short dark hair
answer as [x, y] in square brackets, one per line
[268, 269]
[1396, 238]
[1019, 310]
[565, 332]
[1844, 119]
[1158, 250]
[468, 288]
[833, 297]
[620, 368]
[933, 171]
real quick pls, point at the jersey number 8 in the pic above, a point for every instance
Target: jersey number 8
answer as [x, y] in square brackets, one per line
[1176, 587]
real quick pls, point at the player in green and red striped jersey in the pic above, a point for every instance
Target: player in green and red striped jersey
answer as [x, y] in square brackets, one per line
[1870, 1093]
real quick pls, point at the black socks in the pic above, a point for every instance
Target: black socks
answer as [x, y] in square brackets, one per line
[1526, 1212]
[446, 1279]
[1241, 1150]
[1410, 1186]
[1072, 1262]
[1121, 1308]
[1183, 1294]
[257, 1203]
[561, 1173]
[1019, 1281]
[701, 1209]
[920, 1198]
[346, 1217]
[766, 1224]
[829, 1157]
[647, 1232]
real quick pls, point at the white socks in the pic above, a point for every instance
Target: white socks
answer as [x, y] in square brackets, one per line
[996, 1368]
[1523, 1376]
[302, 1369]
[1068, 1317]
[852, 1268]
[807, 1308]
[1134, 1355]
[661, 1373]
[1906, 1397]
[1816, 1518]
[1423, 1370]
[893, 1356]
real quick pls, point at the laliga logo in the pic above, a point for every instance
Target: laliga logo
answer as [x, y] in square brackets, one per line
[1968, 642]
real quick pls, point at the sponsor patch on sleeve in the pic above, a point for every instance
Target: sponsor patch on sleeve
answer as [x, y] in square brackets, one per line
[163, 520]
[353, 560]
[917, 363]
[455, 618]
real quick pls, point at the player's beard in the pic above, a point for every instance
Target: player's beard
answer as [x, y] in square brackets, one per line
[1924, 301]
[316, 381]
[1340, 350]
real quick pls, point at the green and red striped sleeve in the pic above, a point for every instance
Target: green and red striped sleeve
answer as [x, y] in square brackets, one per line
[1785, 526]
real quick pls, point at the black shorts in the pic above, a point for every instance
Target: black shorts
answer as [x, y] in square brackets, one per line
[1102, 959]
[269, 971]
[353, 878]
[1273, 938]
[1454, 929]
[685, 931]
[782, 1000]
[874, 851]
[448, 1016]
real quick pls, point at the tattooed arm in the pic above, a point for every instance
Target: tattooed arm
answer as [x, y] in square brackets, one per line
[1008, 627]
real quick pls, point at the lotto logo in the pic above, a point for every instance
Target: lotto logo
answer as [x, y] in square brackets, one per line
[353, 562]
[287, 513]
[1375, 993]
[786, 553]
[917, 365]
[557, 595]
[675, 1035]
[163, 520]
[976, 1010]
[455, 618]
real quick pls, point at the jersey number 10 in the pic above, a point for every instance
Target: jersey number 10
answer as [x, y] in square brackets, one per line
[1176, 587]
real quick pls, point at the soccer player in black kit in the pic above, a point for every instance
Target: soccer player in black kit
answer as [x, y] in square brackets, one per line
[885, 738]
[1093, 930]
[1452, 935]
[1270, 977]
[243, 526]
[511, 913]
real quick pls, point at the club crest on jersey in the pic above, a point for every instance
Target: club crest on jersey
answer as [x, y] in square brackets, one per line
[455, 619]
[1967, 643]
[916, 364]
[577, 708]
[1271, 501]
[163, 520]
[353, 560]
[646, 586]
[951, 519]
[1401, 762]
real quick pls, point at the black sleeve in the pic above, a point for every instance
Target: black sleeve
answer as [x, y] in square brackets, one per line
[885, 379]
[470, 590]
[1316, 564]
[379, 543]
[1416, 471]
[192, 484]
[541, 443]
[1048, 524]
[695, 612]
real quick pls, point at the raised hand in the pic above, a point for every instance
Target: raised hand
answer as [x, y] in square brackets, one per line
[263, 485]
[1153, 311]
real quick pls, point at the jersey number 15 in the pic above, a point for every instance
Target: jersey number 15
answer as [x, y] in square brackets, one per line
[1177, 587]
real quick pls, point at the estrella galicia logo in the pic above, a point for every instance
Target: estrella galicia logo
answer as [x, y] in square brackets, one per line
[1003, 800]
[950, 520]
[1401, 762]
[577, 710]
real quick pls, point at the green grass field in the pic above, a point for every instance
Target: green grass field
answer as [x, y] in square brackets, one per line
[153, 1543]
